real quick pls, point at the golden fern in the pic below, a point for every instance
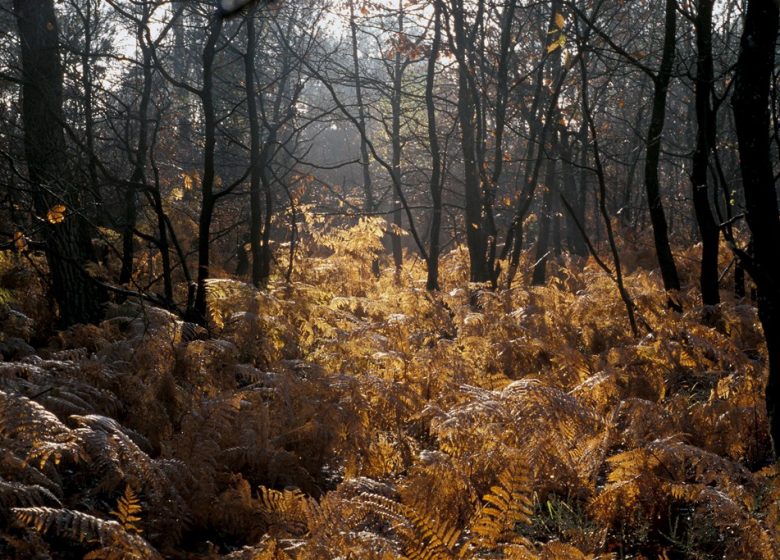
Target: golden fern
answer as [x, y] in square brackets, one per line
[507, 504]
[425, 538]
[128, 506]
[114, 541]
[560, 551]
[268, 549]
[286, 510]
[26, 420]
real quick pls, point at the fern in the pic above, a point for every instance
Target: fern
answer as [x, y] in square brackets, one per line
[286, 510]
[115, 542]
[507, 504]
[16, 494]
[128, 506]
[465, 407]
[26, 420]
[425, 537]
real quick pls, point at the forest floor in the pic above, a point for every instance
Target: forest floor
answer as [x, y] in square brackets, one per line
[349, 416]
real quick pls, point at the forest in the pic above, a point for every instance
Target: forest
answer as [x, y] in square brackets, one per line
[389, 279]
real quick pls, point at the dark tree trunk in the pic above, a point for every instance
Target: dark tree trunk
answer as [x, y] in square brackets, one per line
[475, 238]
[266, 254]
[181, 69]
[395, 104]
[207, 182]
[541, 130]
[68, 244]
[138, 175]
[368, 193]
[434, 249]
[545, 215]
[575, 241]
[602, 204]
[652, 185]
[89, 18]
[255, 201]
[751, 114]
[705, 140]
[242, 257]
[582, 199]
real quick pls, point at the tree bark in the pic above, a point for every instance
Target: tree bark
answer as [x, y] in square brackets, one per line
[368, 193]
[207, 182]
[255, 201]
[751, 114]
[545, 217]
[434, 249]
[652, 186]
[395, 104]
[575, 241]
[602, 183]
[476, 238]
[68, 244]
[705, 140]
[138, 175]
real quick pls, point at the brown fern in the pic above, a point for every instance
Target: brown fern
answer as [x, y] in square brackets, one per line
[114, 541]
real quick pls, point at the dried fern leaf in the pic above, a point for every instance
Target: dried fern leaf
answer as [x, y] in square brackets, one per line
[86, 528]
[26, 420]
[426, 538]
[287, 510]
[128, 507]
[15, 494]
[507, 504]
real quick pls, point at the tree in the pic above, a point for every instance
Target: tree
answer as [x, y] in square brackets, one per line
[365, 163]
[661, 82]
[705, 140]
[751, 114]
[57, 197]
[475, 80]
[434, 247]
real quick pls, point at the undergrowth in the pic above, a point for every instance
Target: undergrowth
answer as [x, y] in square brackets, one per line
[346, 415]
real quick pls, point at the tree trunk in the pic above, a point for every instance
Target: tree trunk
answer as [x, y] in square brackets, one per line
[181, 71]
[652, 186]
[751, 114]
[368, 193]
[542, 129]
[602, 182]
[68, 244]
[434, 249]
[575, 241]
[705, 139]
[207, 182]
[90, 16]
[138, 175]
[255, 202]
[475, 235]
[395, 104]
[266, 254]
[545, 217]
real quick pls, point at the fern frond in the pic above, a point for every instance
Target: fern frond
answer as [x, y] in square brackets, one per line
[85, 528]
[426, 538]
[128, 506]
[14, 467]
[26, 420]
[286, 510]
[560, 551]
[507, 504]
[16, 494]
